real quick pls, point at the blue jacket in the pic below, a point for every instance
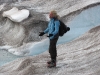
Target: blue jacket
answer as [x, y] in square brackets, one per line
[53, 28]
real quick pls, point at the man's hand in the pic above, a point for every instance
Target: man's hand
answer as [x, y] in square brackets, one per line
[50, 35]
[41, 33]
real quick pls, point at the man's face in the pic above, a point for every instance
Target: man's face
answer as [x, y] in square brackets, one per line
[51, 15]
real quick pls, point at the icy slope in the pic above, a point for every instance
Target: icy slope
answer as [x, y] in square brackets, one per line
[79, 57]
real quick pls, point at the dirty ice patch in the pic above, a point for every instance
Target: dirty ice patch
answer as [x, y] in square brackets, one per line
[2, 6]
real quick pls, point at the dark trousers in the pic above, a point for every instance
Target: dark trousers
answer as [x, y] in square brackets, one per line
[52, 48]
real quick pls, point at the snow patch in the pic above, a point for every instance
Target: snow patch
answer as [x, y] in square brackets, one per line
[16, 15]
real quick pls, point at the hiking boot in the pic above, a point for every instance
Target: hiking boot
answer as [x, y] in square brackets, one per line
[51, 64]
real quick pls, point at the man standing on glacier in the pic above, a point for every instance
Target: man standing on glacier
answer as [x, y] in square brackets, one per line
[53, 34]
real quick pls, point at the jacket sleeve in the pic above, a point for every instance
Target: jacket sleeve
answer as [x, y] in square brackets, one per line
[57, 24]
[46, 31]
